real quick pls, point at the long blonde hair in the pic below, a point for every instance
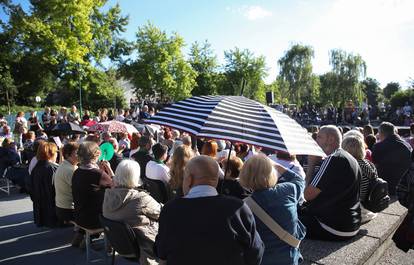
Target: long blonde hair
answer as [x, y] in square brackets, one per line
[182, 154]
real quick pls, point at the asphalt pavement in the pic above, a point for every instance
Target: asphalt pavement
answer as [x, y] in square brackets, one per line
[22, 242]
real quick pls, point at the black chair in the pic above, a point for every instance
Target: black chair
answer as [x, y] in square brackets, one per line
[156, 189]
[122, 239]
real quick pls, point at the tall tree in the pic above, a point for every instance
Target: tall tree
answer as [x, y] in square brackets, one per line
[204, 62]
[391, 88]
[245, 72]
[296, 70]
[160, 68]
[60, 40]
[350, 69]
[372, 91]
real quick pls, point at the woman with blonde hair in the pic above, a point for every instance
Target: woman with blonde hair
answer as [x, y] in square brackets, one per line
[355, 145]
[41, 185]
[182, 154]
[279, 201]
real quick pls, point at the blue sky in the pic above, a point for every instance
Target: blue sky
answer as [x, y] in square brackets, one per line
[381, 31]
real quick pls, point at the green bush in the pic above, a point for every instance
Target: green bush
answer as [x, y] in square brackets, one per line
[398, 99]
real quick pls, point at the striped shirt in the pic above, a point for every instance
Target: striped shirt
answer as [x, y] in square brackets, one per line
[368, 172]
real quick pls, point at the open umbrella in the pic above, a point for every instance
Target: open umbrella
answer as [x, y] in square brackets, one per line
[238, 119]
[113, 127]
[66, 128]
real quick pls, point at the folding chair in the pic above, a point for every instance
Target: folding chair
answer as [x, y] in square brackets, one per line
[5, 183]
[88, 234]
[122, 239]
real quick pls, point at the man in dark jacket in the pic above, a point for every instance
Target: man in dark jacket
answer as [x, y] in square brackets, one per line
[204, 227]
[391, 156]
[142, 156]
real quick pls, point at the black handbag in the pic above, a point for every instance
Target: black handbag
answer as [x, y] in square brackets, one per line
[378, 198]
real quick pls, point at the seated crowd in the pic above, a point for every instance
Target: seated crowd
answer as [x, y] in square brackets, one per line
[186, 206]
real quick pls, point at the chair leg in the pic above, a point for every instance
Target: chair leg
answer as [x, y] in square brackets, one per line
[113, 256]
[88, 246]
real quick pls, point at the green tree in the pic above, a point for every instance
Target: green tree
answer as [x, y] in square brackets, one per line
[399, 98]
[349, 69]
[328, 89]
[296, 70]
[58, 40]
[102, 90]
[160, 68]
[390, 89]
[371, 90]
[204, 62]
[244, 71]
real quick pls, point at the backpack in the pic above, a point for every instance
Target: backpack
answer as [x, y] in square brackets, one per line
[377, 199]
[405, 188]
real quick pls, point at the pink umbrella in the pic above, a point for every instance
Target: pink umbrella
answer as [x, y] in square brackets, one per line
[113, 127]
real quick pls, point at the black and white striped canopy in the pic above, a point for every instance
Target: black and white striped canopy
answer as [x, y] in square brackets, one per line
[238, 119]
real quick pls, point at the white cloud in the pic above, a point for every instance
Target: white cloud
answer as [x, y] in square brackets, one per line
[250, 12]
[256, 12]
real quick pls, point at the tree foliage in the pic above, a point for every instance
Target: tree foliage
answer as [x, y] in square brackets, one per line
[59, 43]
[372, 91]
[399, 98]
[296, 70]
[160, 67]
[390, 89]
[204, 62]
[244, 73]
[349, 69]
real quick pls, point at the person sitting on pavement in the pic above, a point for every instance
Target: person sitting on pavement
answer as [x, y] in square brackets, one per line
[216, 229]
[63, 182]
[63, 188]
[355, 146]
[88, 185]
[391, 155]
[156, 169]
[135, 207]
[332, 211]
[8, 155]
[280, 201]
[41, 186]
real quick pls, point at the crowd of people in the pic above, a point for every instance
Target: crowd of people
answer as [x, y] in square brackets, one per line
[197, 212]
[310, 114]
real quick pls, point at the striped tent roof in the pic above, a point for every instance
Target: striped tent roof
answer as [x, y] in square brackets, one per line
[238, 119]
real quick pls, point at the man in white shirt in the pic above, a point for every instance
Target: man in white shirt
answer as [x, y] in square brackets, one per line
[156, 169]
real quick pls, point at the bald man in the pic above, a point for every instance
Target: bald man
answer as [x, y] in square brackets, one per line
[332, 194]
[204, 227]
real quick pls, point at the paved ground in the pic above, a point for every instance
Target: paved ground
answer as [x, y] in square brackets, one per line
[395, 256]
[21, 242]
